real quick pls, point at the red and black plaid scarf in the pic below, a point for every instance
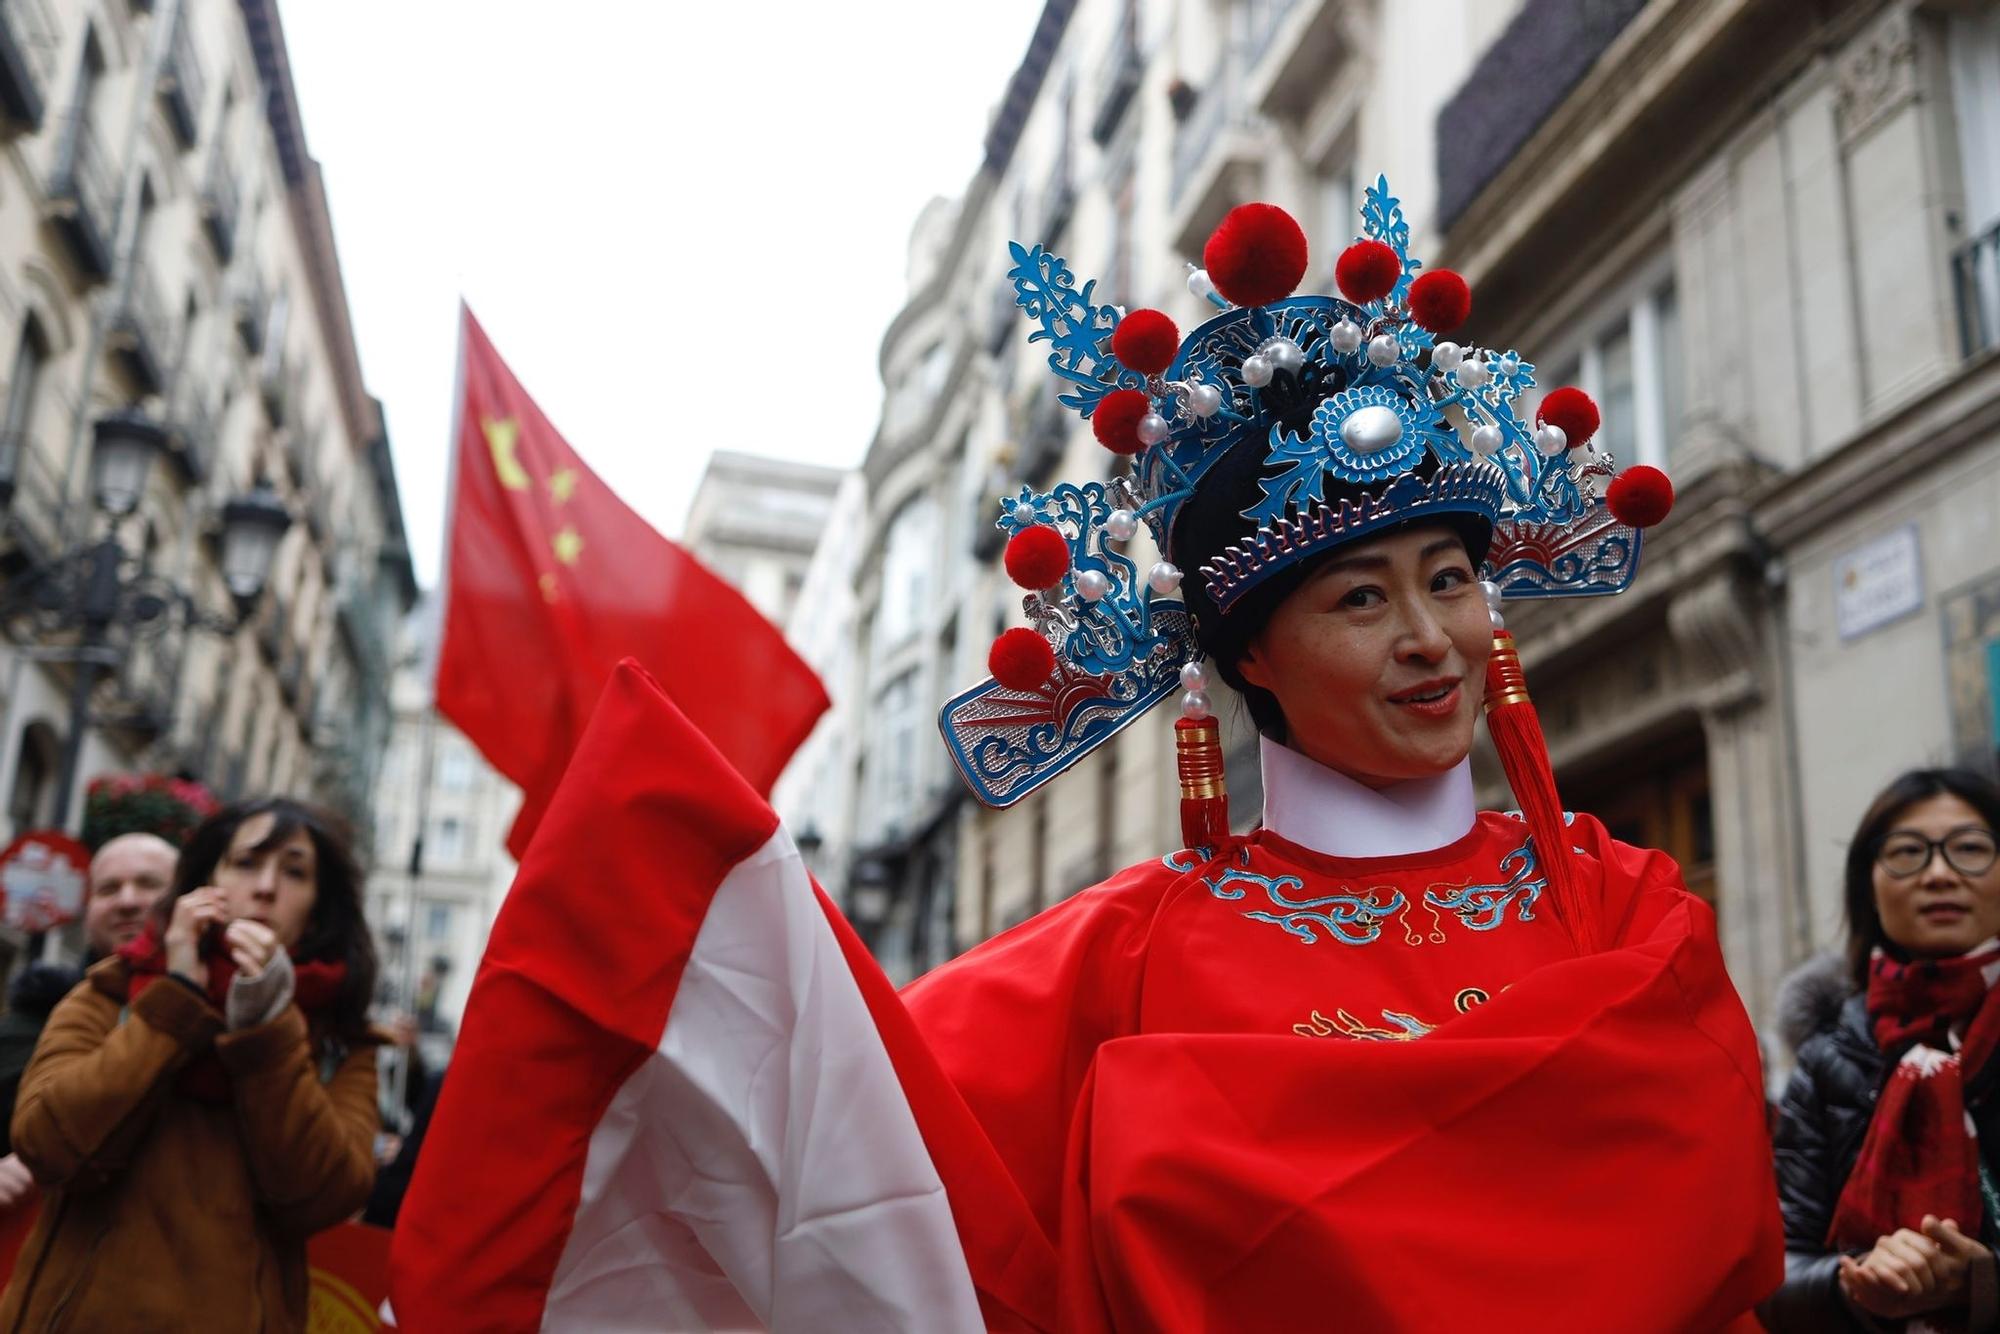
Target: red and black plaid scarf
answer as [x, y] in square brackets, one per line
[1921, 1155]
[315, 987]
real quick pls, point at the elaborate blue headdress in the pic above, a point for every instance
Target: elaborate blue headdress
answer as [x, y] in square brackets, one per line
[1364, 420]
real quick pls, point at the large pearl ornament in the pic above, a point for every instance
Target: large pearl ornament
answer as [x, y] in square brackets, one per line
[1257, 370]
[1486, 440]
[1549, 438]
[1119, 525]
[1024, 513]
[1372, 428]
[1195, 705]
[1284, 354]
[1446, 356]
[1345, 337]
[1092, 585]
[1509, 364]
[1204, 400]
[1200, 284]
[1491, 591]
[1383, 350]
[1153, 429]
[1194, 677]
[1473, 373]
[1164, 577]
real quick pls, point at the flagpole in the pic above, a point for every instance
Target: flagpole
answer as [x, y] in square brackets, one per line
[428, 647]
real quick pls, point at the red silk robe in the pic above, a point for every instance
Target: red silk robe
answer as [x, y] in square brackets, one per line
[1274, 1089]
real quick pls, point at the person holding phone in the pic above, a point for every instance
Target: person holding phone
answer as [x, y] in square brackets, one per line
[204, 1101]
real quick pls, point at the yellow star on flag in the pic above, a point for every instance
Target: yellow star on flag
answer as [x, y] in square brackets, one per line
[568, 546]
[501, 436]
[549, 587]
[562, 484]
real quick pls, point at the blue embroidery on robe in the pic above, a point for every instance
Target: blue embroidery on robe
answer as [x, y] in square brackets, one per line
[1356, 918]
[1351, 919]
[1483, 907]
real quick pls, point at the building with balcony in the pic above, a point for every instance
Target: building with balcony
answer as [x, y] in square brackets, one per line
[755, 521]
[166, 256]
[1764, 239]
[440, 845]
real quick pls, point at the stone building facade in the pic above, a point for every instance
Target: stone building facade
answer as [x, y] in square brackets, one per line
[1765, 238]
[441, 863]
[166, 256]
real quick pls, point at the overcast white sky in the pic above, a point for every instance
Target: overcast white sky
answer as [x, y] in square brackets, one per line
[684, 225]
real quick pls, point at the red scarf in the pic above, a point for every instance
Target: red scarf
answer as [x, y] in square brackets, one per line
[1921, 1155]
[315, 987]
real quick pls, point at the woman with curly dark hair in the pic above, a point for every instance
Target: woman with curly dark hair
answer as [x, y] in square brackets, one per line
[205, 1100]
[1889, 1139]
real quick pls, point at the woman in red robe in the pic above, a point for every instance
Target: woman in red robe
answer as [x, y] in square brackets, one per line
[1361, 1068]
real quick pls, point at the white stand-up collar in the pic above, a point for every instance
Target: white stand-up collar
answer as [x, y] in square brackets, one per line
[1311, 805]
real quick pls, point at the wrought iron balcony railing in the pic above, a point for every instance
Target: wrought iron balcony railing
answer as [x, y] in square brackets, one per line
[143, 332]
[1118, 78]
[83, 197]
[181, 87]
[27, 59]
[250, 306]
[219, 204]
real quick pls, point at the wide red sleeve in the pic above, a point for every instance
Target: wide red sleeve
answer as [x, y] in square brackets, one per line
[1585, 1151]
[1016, 1022]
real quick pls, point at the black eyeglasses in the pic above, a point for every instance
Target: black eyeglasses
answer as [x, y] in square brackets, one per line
[1968, 851]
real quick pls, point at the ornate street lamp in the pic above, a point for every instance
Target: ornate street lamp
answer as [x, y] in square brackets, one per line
[93, 588]
[121, 456]
[252, 526]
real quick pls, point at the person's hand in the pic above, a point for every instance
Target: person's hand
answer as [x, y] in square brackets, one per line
[195, 914]
[16, 1182]
[1908, 1273]
[1960, 1252]
[250, 944]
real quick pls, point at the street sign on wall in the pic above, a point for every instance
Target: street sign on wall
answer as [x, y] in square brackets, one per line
[43, 875]
[1877, 582]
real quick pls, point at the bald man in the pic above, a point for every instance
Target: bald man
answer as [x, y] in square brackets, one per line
[128, 876]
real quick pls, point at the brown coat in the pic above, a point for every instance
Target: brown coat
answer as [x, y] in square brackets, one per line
[164, 1211]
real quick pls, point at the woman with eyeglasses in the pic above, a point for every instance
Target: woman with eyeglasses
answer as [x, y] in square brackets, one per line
[1889, 1143]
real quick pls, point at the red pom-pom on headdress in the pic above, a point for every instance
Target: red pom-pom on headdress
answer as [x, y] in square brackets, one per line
[1256, 256]
[1116, 421]
[1021, 659]
[1570, 410]
[1146, 341]
[1440, 301]
[1640, 496]
[1037, 557]
[1367, 271]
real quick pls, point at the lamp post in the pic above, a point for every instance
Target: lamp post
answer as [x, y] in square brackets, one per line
[90, 590]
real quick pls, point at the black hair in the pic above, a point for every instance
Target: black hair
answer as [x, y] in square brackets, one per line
[336, 929]
[1212, 520]
[1864, 921]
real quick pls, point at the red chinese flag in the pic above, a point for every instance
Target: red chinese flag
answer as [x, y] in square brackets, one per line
[551, 580]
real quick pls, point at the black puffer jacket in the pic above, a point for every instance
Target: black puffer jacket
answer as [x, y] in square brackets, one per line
[1822, 1121]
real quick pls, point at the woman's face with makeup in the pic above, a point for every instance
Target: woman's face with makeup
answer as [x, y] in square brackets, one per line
[1378, 659]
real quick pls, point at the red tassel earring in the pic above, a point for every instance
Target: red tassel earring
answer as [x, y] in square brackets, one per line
[1198, 754]
[1524, 754]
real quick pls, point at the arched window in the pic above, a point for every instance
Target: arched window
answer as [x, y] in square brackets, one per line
[23, 382]
[34, 778]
